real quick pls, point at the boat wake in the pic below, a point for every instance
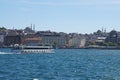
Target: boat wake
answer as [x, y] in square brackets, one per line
[5, 53]
[8, 53]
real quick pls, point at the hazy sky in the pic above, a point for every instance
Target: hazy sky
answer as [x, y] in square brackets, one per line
[82, 16]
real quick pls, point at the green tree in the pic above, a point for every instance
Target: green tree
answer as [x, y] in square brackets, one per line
[112, 44]
[2, 28]
[55, 44]
[90, 43]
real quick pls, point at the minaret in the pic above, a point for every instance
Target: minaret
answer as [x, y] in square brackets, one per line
[13, 27]
[102, 29]
[34, 27]
[105, 30]
[31, 26]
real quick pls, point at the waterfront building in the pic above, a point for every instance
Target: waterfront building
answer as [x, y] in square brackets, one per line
[12, 40]
[76, 42]
[55, 40]
[118, 38]
[2, 36]
[91, 38]
[13, 37]
[83, 42]
[101, 39]
[113, 37]
[31, 40]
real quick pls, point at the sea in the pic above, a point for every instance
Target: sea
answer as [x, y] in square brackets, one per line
[63, 64]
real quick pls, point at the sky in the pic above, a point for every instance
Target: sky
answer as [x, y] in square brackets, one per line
[70, 16]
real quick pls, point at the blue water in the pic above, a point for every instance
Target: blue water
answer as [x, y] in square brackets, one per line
[64, 64]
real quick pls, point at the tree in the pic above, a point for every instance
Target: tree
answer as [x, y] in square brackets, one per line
[2, 28]
[55, 44]
[90, 43]
[112, 44]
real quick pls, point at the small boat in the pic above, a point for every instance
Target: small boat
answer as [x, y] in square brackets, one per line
[34, 49]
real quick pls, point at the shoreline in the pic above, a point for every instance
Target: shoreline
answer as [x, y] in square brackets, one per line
[100, 48]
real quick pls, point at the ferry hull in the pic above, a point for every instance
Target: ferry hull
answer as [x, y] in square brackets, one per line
[38, 51]
[34, 49]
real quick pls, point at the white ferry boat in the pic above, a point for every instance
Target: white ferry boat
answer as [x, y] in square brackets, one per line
[34, 49]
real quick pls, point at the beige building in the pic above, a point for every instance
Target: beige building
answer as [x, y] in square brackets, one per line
[76, 42]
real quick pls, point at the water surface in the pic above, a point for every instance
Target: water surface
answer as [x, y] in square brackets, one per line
[64, 64]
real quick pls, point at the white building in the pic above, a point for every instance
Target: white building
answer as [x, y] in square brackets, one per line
[100, 39]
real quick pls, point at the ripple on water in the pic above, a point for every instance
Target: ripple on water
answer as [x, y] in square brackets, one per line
[64, 64]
